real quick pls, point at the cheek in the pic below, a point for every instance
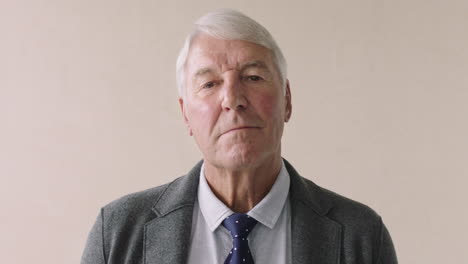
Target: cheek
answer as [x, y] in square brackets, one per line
[270, 106]
[202, 117]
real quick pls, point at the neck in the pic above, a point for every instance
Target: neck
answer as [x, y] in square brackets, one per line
[244, 188]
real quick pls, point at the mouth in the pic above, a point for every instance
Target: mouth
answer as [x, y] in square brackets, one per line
[242, 128]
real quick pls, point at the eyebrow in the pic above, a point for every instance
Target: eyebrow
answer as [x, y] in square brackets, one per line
[203, 71]
[254, 64]
[251, 64]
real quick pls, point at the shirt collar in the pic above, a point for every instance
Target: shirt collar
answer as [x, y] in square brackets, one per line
[267, 211]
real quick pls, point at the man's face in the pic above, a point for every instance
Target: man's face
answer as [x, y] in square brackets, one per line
[234, 103]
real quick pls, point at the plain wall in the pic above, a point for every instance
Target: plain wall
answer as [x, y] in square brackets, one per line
[89, 112]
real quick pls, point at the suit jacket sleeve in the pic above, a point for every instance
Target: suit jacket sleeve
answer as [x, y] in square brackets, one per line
[387, 253]
[94, 249]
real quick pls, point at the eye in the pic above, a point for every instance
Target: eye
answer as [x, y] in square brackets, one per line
[254, 78]
[208, 85]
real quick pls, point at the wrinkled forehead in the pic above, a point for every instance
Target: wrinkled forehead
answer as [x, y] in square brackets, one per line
[207, 52]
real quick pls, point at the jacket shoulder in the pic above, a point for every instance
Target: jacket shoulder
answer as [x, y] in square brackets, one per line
[346, 209]
[134, 209]
[140, 200]
[336, 206]
[361, 227]
[356, 218]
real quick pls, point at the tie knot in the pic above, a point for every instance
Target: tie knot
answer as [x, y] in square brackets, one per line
[239, 225]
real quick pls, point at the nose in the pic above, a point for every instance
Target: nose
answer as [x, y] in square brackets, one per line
[234, 97]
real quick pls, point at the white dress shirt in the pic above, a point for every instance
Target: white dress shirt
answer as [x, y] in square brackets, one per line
[269, 241]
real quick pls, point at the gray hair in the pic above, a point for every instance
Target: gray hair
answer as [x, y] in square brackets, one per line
[231, 25]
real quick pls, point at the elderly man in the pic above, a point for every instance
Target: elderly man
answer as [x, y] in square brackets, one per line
[243, 203]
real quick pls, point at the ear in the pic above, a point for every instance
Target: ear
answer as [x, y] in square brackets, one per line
[288, 106]
[182, 109]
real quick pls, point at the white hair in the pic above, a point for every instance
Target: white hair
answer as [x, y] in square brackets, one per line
[231, 25]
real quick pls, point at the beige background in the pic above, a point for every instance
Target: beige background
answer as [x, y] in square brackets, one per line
[88, 113]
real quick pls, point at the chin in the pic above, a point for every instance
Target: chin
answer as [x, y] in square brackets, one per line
[235, 160]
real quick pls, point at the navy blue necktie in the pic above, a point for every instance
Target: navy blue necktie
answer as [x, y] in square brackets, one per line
[239, 225]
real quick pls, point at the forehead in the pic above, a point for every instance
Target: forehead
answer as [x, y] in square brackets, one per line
[206, 51]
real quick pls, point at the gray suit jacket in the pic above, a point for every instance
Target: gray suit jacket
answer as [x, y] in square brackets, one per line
[154, 226]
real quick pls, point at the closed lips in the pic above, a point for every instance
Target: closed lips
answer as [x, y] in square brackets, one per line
[240, 128]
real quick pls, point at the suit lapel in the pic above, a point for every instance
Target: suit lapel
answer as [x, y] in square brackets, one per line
[315, 238]
[167, 237]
